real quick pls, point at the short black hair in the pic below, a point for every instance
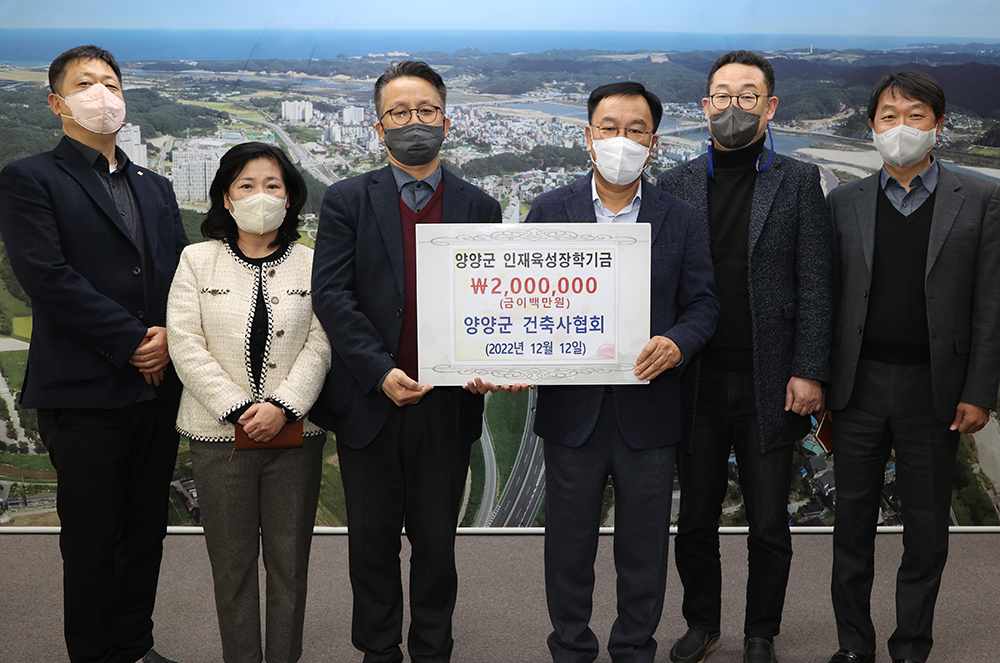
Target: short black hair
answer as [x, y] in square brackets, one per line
[913, 85]
[743, 57]
[625, 89]
[219, 222]
[57, 70]
[409, 69]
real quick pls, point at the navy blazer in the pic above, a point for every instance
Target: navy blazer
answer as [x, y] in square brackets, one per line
[358, 296]
[789, 273]
[73, 256]
[960, 286]
[683, 307]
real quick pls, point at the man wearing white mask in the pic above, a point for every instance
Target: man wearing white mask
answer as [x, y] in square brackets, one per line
[916, 356]
[629, 432]
[94, 241]
[760, 377]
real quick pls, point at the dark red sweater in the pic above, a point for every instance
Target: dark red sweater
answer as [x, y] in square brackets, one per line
[406, 355]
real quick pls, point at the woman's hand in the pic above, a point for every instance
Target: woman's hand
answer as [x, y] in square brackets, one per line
[262, 421]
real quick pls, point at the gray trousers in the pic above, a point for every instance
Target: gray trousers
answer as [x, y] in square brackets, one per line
[267, 496]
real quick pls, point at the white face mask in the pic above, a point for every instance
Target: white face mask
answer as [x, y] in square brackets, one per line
[620, 160]
[96, 109]
[903, 146]
[258, 214]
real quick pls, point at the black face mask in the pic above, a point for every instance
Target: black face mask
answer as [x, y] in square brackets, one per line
[414, 144]
[734, 128]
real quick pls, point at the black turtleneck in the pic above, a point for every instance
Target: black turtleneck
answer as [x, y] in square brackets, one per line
[730, 196]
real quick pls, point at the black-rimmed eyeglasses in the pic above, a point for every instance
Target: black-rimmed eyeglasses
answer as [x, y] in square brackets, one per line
[745, 100]
[425, 114]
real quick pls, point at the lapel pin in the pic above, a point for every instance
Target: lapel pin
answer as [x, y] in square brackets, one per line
[140, 172]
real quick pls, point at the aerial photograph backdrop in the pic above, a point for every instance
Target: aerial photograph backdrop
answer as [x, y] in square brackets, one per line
[201, 77]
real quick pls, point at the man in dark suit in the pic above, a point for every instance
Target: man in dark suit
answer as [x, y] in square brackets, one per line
[916, 356]
[94, 241]
[403, 447]
[626, 432]
[759, 378]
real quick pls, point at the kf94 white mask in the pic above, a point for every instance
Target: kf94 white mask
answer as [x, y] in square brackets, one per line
[620, 160]
[258, 214]
[903, 146]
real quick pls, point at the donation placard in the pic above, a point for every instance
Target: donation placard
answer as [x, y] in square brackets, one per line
[546, 303]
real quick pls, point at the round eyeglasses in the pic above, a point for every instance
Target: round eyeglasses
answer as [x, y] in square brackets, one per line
[425, 114]
[745, 100]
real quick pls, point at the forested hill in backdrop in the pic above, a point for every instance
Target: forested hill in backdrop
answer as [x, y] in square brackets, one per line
[809, 84]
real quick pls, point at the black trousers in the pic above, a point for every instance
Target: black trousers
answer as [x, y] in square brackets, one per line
[891, 407]
[414, 471]
[575, 479]
[114, 470]
[727, 422]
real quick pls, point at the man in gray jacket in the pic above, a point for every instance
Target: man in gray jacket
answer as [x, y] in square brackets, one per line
[759, 378]
[916, 356]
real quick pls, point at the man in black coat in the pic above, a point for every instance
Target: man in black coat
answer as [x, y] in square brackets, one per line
[759, 378]
[627, 432]
[94, 241]
[403, 446]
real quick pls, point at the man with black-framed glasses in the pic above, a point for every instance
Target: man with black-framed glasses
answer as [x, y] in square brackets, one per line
[626, 432]
[760, 376]
[403, 446]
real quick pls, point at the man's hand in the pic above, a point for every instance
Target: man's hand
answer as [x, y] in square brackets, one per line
[660, 354]
[154, 378]
[803, 396]
[262, 421]
[401, 390]
[477, 386]
[970, 418]
[517, 388]
[151, 356]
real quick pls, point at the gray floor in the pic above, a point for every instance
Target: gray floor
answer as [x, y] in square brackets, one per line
[500, 617]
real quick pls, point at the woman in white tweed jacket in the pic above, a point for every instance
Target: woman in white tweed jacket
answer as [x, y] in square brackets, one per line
[250, 353]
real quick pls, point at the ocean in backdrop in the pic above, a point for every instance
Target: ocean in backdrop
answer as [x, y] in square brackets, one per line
[36, 46]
